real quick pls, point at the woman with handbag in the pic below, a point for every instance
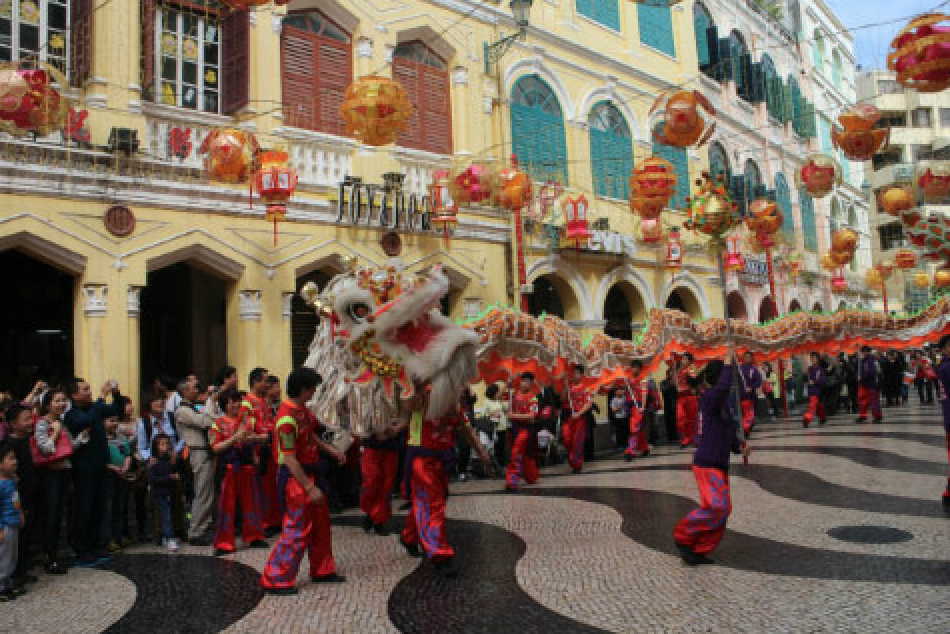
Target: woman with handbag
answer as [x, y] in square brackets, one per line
[51, 446]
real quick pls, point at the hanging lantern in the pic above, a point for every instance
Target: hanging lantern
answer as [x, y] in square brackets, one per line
[885, 269]
[921, 280]
[763, 220]
[376, 110]
[942, 278]
[275, 183]
[575, 215]
[893, 199]
[733, 262]
[471, 184]
[873, 279]
[933, 181]
[29, 102]
[230, 153]
[828, 263]
[920, 54]
[711, 210]
[858, 138]
[678, 120]
[652, 185]
[905, 259]
[512, 188]
[444, 209]
[674, 249]
[651, 231]
[818, 175]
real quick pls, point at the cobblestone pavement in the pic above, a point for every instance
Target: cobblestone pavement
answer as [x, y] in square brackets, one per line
[836, 528]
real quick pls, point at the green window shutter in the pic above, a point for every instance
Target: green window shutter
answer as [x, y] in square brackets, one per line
[714, 61]
[598, 167]
[680, 160]
[739, 193]
[783, 197]
[656, 28]
[537, 130]
[604, 12]
[808, 221]
[757, 81]
[726, 67]
[702, 26]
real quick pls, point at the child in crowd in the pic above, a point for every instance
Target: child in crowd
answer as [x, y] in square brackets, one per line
[11, 519]
[20, 419]
[120, 460]
[162, 476]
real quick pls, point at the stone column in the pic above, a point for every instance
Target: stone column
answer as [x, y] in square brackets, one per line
[249, 353]
[95, 303]
[131, 387]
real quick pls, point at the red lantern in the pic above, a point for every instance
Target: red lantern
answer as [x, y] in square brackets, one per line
[575, 213]
[275, 183]
[819, 175]
[674, 249]
[942, 278]
[858, 138]
[28, 101]
[230, 153]
[763, 220]
[920, 54]
[652, 185]
[734, 262]
[473, 184]
[444, 208]
[933, 181]
[905, 259]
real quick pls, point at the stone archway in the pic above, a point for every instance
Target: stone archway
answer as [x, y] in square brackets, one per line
[553, 296]
[767, 310]
[623, 306]
[794, 306]
[735, 305]
[683, 299]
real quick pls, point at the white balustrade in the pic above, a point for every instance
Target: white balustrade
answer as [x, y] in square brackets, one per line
[321, 163]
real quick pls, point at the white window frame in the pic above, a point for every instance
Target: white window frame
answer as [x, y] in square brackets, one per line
[179, 56]
[44, 31]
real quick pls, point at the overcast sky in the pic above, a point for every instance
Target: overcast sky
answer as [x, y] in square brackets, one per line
[871, 44]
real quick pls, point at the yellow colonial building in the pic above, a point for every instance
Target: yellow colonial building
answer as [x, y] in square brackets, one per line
[123, 260]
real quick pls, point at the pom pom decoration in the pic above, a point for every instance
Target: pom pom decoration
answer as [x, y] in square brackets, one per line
[858, 138]
[933, 181]
[471, 184]
[376, 110]
[818, 175]
[230, 153]
[711, 211]
[678, 120]
[893, 199]
[920, 54]
[29, 102]
[942, 278]
[828, 263]
[275, 182]
[652, 185]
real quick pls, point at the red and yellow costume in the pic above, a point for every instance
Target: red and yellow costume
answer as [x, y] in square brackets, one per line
[257, 414]
[574, 430]
[687, 405]
[238, 482]
[429, 457]
[379, 465]
[523, 463]
[637, 395]
[306, 524]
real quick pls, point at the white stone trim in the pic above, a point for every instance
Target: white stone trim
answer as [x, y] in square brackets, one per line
[287, 303]
[95, 299]
[251, 305]
[133, 297]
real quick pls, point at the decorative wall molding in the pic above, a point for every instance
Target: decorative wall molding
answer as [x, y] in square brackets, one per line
[287, 303]
[460, 76]
[133, 297]
[95, 299]
[472, 306]
[251, 305]
[364, 47]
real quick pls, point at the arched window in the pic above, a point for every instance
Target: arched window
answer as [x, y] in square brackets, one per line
[426, 78]
[773, 87]
[836, 68]
[824, 133]
[796, 107]
[611, 151]
[808, 220]
[702, 21]
[753, 180]
[680, 160]
[537, 129]
[834, 222]
[604, 12]
[818, 51]
[656, 27]
[719, 163]
[783, 197]
[316, 67]
[738, 49]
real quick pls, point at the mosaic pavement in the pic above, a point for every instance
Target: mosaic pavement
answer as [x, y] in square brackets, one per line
[834, 529]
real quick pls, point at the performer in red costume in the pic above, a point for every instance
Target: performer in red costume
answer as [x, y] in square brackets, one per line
[816, 383]
[306, 517]
[750, 380]
[637, 395]
[231, 441]
[379, 465]
[429, 458]
[256, 415]
[868, 395]
[698, 534]
[687, 405]
[574, 431]
[523, 415]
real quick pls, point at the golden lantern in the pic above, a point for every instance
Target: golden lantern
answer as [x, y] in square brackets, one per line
[681, 124]
[828, 263]
[858, 138]
[921, 280]
[844, 240]
[933, 181]
[29, 102]
[905, 259]
[893, 199]
[873, 279]
[842, 258]
[513, 188]
[942, 278]
[818, 175]
[920, 54]
[275, 182]
[230, 153]
[376, 110]
[652, 185]
[711, 210]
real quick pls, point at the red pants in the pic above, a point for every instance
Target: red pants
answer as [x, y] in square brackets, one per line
[522, 464]
[237, 483]
[306, 525]
[379, 467]
[425, 524]
[702, 529]
[637, 441]
[815, 407]
[868, 396]
[267, 492]
[574, 432]
[748, 414]
[687, 418]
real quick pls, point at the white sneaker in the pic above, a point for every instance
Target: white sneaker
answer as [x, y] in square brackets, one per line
[171, 545]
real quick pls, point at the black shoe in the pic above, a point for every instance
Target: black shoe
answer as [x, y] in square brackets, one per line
[447, 568]
[55, 568]
[703, 560]
[367, 523]
[806, 423]
[627, 457]
[686, 553]
[822, 422]
[645, 454]
[946, 498]
[281, 592]
[575, 471]
[220, 552]
[683, 445]
[381, 530]
[258, 543]
[7, 595]
[412, 549]
[878, 421]
[861, 420]
[509, 489]
[272, 531]
[203, 540]
[330, 578]
[26, 578]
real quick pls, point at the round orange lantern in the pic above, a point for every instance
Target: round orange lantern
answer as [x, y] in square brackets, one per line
[842, 258]
[275, 182]
[858, 138]
[905, 259]
[933, 181]
[818, 175]
[29, 103]
[680, 123]
[828, 263]
[893, 199]
[513, 189]
[376, 110]
[443, 206]
[942, 278]
[844, 240]
[763, 220]
[575, 214]
[920, 54]
[921, 280]
[471, 184]
[652, 185]
[230, 153]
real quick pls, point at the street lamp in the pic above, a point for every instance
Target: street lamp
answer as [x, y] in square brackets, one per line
[521, 10]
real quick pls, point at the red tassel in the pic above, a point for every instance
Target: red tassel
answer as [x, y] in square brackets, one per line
[275, 231]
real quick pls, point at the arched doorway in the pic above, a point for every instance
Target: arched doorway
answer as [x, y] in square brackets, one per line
[817, 308]
[767, 310]
[795, 306]
[682, 299]
[735, 306]
[36, 323]
[303, 318]
[622, 307]
[183, 323]
[552, 296]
